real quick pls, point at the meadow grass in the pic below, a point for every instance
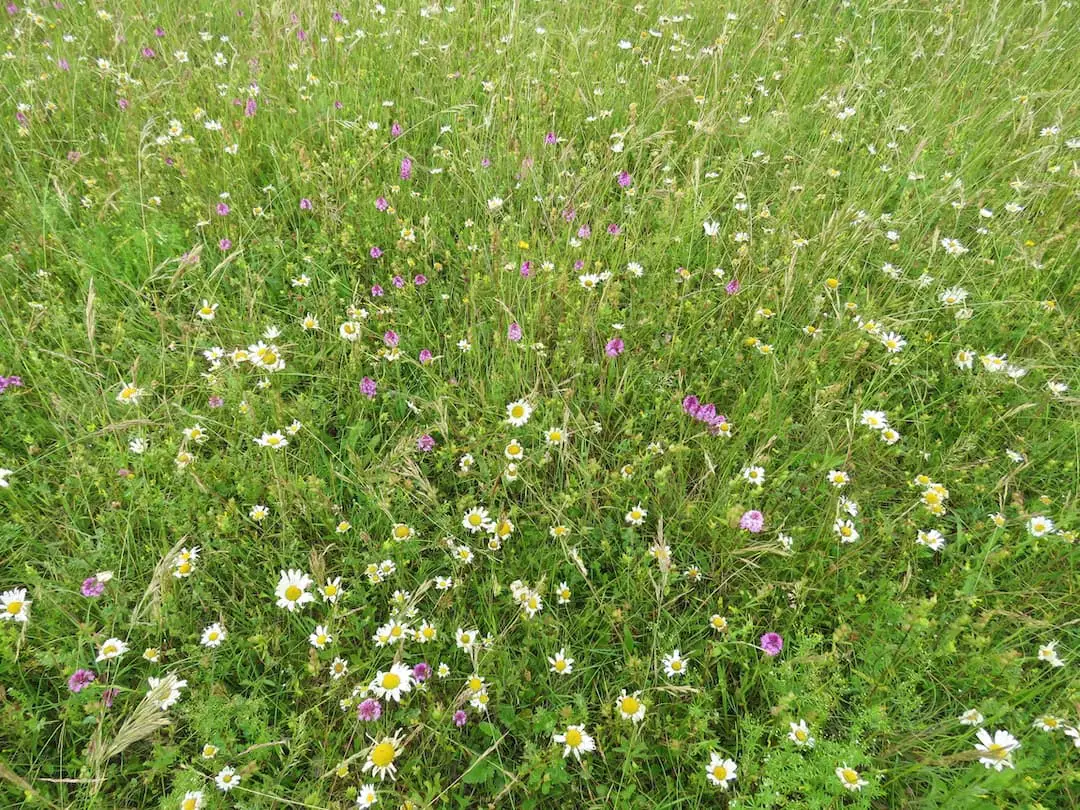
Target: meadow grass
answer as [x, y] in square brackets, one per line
[752, 327]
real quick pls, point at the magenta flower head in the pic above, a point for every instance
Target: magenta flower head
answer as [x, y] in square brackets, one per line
[614, 229]
[732, 287]
[215, 401]
[772, 643]
[305, 204]
[625, 180]
[108, 696]
[513, 332]
[376, 291]
[419, 280]
[250, 108]
[92, 587]
[225, 244]
[148, 53]
[614, 347]
[395, 129]
[398, 282]
[460, 718]
[425, 444]
[753, 521]
[426, 356]
[406, 168]
[421, 671]
[80, 680]
[390, 338]
[369, 709]
[222, 209]
[381, 204]
[550, 138]
[526, 269]
[124, 103]
[367, 387]
[376, 252]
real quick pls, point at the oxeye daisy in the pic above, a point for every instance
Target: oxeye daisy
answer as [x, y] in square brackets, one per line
[674, 664]
[972, 717]
[165, 692]
[381, 756]
[875, 420]
[320, 637]
[514, 451]
[563, 593]
[1048, 723]
[575, 740]
[207, 311]
[392, 684]
[475, 519]
[275, 441]
[636, 516]
[554, 436]
[466, 639]
[721, 771]
[996, 751]
[931, 538]
[1039, 526]
[718, 623]
[366, 796]
[850, 778]
[800, 734]
[193, 800]
[339, 668]
[227, 778]
[846, 531]
[1048, 654]
[14, 606]
[332, 590]
[209, 751]
[838, 478]
[518, 413]
[213, 635]
[560, 664]
[426, 632]
[630, 707]
[755, 475]
[111, 648]
[130, 394]
[292, 590]
[402, 532]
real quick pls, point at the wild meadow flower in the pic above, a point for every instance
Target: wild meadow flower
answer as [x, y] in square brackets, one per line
[81, 679]
[425, 443]
[772, 644]
[213, 635]
[996, 750]
[292, 590]
[111, 648]
[513, 333]
[800, 734]
[560, 664]
[630, 707]
[381, 756]
[752, 521]
[460, 718]
[850, 778]
[369, 710]
[720, 771]
[674, 664]
[92, 587]
[614, 347]
[575, 740]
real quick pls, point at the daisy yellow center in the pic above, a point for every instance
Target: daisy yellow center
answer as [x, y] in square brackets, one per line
[719, 773]
[391, 680]
[676, 665]
[630, 705]
[14, 607]
[269, 358]
[213, 635]
[850, 776]
[321, 638]
[466, 638]
[514, 449]
[396, 631]
[330, 590]
[383, 754]
[401, 531]
[801, 735]
[517, 412]
[533, 603]
[188, 804]
[339, 667]
[108, 649]
[997, 751]
[555, 435]
[718, 623]
[184, 568]
[475, 519]
[560, 665]
[635, 514]
[292, 593]
[573, 737]
[226, 777]
[846, 531]
[1050, 721]
[565, 593]
[429, 632]
[475, 684]
[349, 329]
